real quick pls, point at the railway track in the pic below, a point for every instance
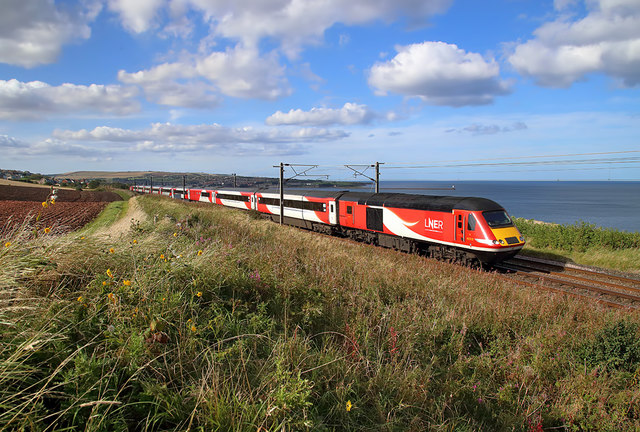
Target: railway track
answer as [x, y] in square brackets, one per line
[601, 286]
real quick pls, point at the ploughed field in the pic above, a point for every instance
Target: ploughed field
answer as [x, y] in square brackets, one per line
[72, 209]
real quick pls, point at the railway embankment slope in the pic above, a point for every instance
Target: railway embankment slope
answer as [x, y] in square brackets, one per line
[204, 317]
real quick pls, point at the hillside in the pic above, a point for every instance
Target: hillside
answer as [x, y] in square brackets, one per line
[78, 175]
[205, 318]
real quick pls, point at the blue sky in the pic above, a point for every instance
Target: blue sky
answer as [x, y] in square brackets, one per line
[434, 89]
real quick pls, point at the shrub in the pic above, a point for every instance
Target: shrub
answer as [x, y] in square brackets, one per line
[580, 236]
[614, 347]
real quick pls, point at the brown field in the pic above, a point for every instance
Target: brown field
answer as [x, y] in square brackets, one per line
[63, 217]
[39, 194]
[72, 210]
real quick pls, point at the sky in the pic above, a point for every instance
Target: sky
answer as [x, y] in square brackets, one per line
[431, 89]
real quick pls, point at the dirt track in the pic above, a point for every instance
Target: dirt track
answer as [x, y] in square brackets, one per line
[72, 210]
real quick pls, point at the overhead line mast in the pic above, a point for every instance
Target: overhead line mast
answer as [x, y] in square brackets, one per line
[361, 172]
[297, 174]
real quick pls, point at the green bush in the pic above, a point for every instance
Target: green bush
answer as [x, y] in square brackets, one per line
[615, 347]
[580, 236]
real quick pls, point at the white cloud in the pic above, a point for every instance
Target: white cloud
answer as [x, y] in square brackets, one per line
[242, 72]
[293, 23]
[198, 82]
[566, 50]
[167, 137]
[32, 32]
[34, 100]
[349, 114]
[15, 148]
[490, 129]
[439, 74]
[163, 85]
[138, 15]
[298, 22]
[7, 142]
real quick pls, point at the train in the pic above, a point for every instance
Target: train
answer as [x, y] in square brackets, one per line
[467, 230]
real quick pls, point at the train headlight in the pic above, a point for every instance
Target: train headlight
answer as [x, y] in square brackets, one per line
[501, 241]
[495, 242]
[521, 238]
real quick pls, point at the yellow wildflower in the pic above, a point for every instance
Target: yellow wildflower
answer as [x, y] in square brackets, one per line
[127, 282]
[199, 252]
[135, 241]
[161, 256]
[45, 205]
[47, 230]
[193, 328]
[349, 406]
[199, 294]
[7, 244]
[111, 250]
[80, 299]
[175, 234]
[104, 283]
[109, 273]
[82, 238]
[53, 201]
[112, 297]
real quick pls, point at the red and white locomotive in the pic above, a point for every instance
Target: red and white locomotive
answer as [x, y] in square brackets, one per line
[461, 229]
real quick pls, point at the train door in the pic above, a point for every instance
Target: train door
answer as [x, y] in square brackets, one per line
[459, 220]
[254, 202]
[333, 213]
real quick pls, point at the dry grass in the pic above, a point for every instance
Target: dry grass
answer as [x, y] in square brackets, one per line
[233, 323]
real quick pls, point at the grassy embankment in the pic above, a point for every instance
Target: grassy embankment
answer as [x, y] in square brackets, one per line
[209, 319]
[583, 243]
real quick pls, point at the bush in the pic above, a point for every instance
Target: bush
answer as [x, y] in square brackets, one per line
[580, 236]
[615, 347]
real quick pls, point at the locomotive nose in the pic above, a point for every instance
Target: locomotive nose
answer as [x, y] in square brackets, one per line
[509, 236]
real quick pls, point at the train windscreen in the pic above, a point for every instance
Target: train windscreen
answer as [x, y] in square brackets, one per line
[497, 218]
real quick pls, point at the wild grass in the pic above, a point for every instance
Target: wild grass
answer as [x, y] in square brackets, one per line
[113, 212]
[583, 243]
[204, 318]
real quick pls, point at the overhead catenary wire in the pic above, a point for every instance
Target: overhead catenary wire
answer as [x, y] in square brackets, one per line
[515, 160]
[586, 161]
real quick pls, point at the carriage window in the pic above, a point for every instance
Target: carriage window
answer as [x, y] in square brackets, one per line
[230, 197]
[349, 210]
[297, 204]
[269, 201]
[471, 223]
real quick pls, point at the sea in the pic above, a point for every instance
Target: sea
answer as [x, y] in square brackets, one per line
[607, 204]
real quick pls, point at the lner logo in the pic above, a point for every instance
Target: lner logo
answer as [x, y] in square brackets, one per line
[433, 224]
